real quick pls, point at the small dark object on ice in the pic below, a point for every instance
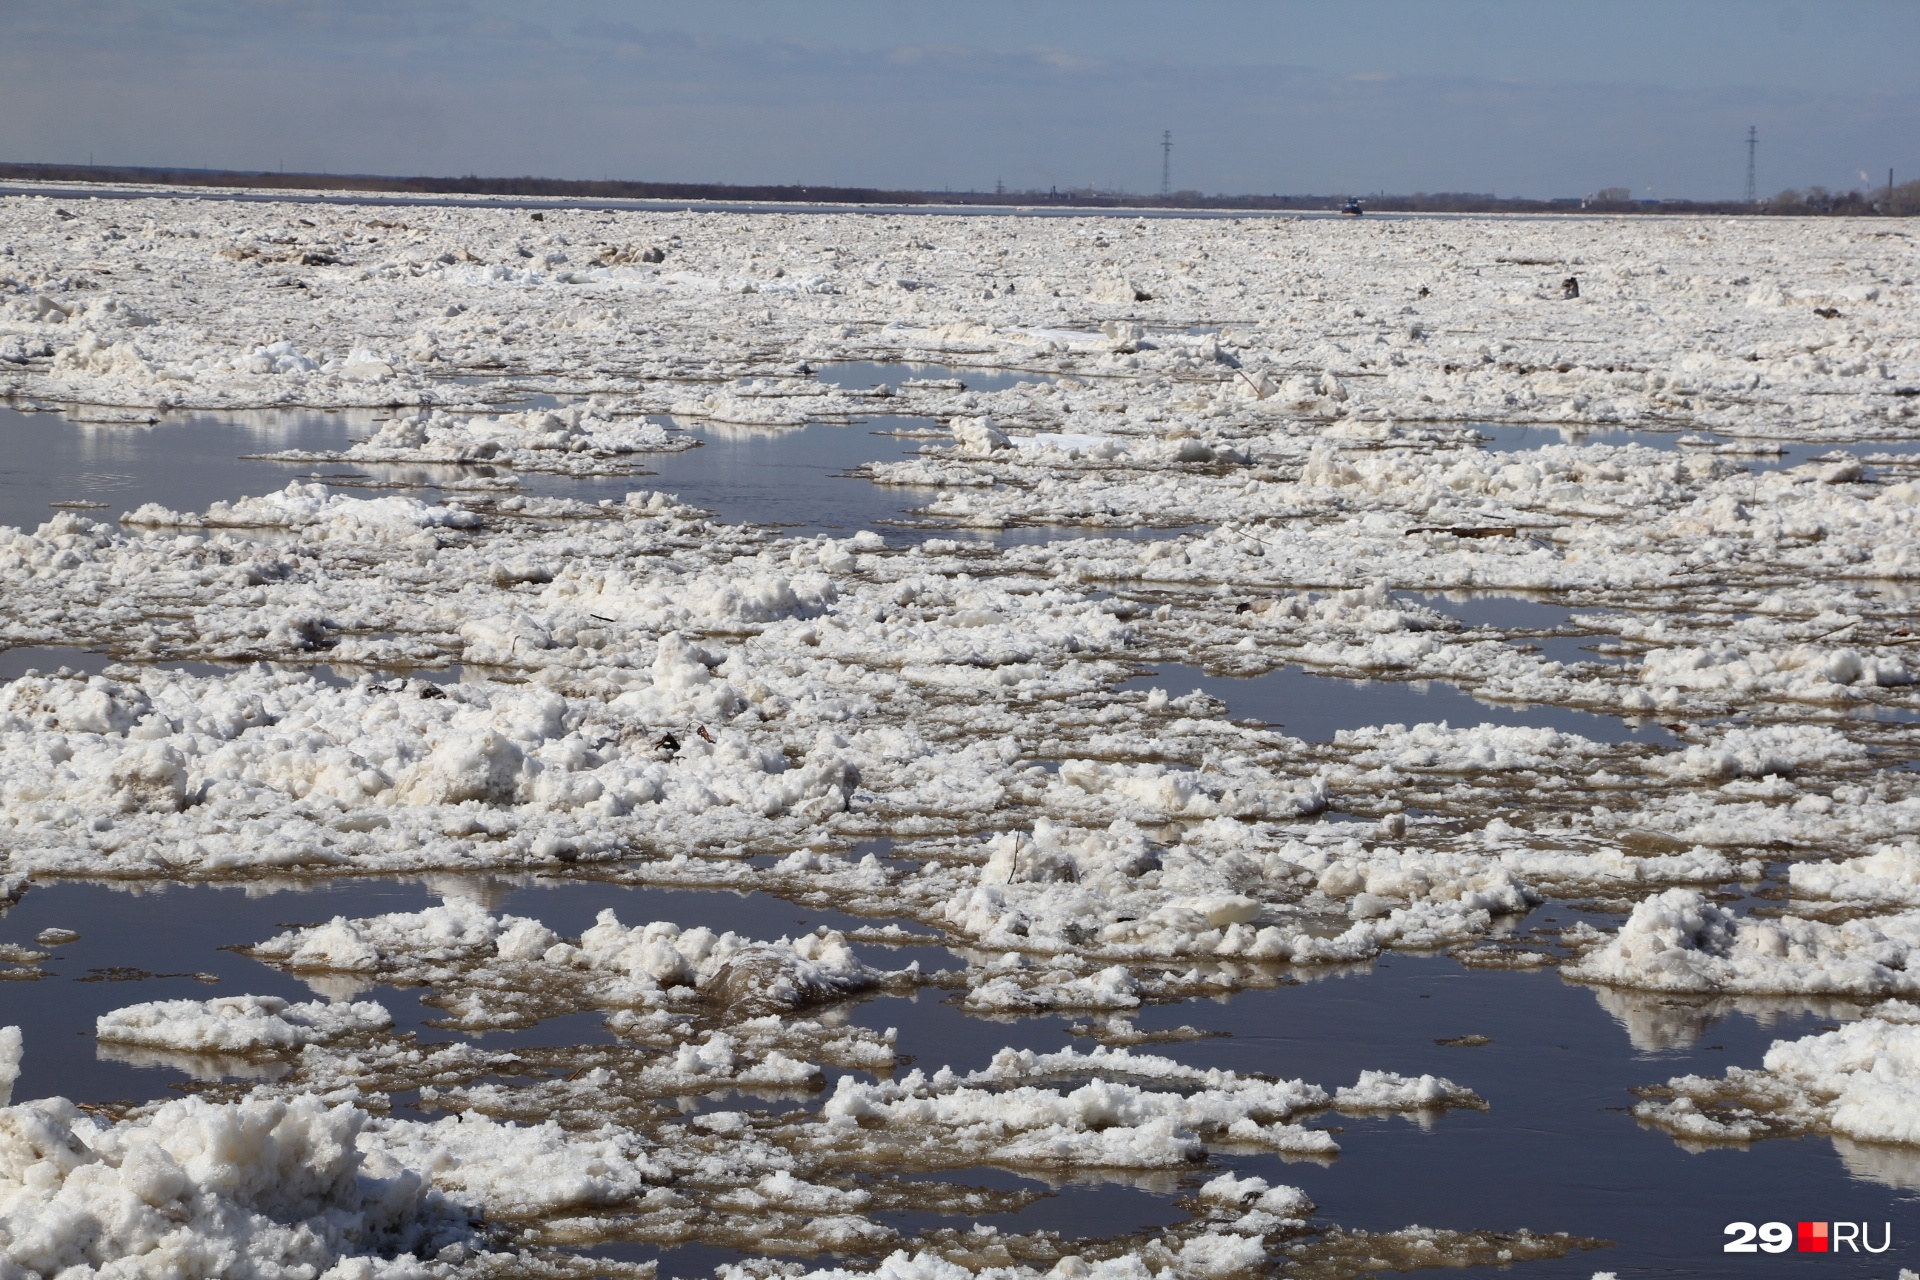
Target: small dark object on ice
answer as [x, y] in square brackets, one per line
[669, 744]
[1424, 291]
[654, 254]
[1827, 313]
[1570, 287]
[702, 731]
[539, 217]
[1472, 531]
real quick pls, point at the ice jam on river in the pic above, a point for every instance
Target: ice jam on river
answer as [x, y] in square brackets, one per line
[482, 642]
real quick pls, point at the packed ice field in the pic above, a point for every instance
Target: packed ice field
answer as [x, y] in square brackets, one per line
[1120, 444]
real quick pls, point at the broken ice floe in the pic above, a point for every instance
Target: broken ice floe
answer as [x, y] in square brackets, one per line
[679, 701]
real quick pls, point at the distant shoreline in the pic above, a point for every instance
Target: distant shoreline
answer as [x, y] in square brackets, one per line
[544, 190]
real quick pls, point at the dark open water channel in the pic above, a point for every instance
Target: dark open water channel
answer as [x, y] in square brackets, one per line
[1315, 707]
[185, 462]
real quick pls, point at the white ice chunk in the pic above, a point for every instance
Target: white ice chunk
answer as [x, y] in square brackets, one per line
[237, 1024]
[1680, 941]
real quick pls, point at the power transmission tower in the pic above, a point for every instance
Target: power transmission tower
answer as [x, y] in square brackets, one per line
[1753, 140]
[1166, 163]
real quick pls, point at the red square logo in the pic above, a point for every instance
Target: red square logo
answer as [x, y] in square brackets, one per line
[1813, 1237]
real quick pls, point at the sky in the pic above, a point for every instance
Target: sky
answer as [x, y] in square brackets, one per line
[1515, 97]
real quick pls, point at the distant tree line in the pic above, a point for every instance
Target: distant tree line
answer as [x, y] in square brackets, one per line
[1901, 200]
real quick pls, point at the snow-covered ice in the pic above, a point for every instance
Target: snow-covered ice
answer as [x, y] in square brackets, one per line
[237, 1024]
[1856, 1082]
[941, 731]
[273, 1188]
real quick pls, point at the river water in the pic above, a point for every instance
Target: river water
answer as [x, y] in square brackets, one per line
[1555, 1151]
